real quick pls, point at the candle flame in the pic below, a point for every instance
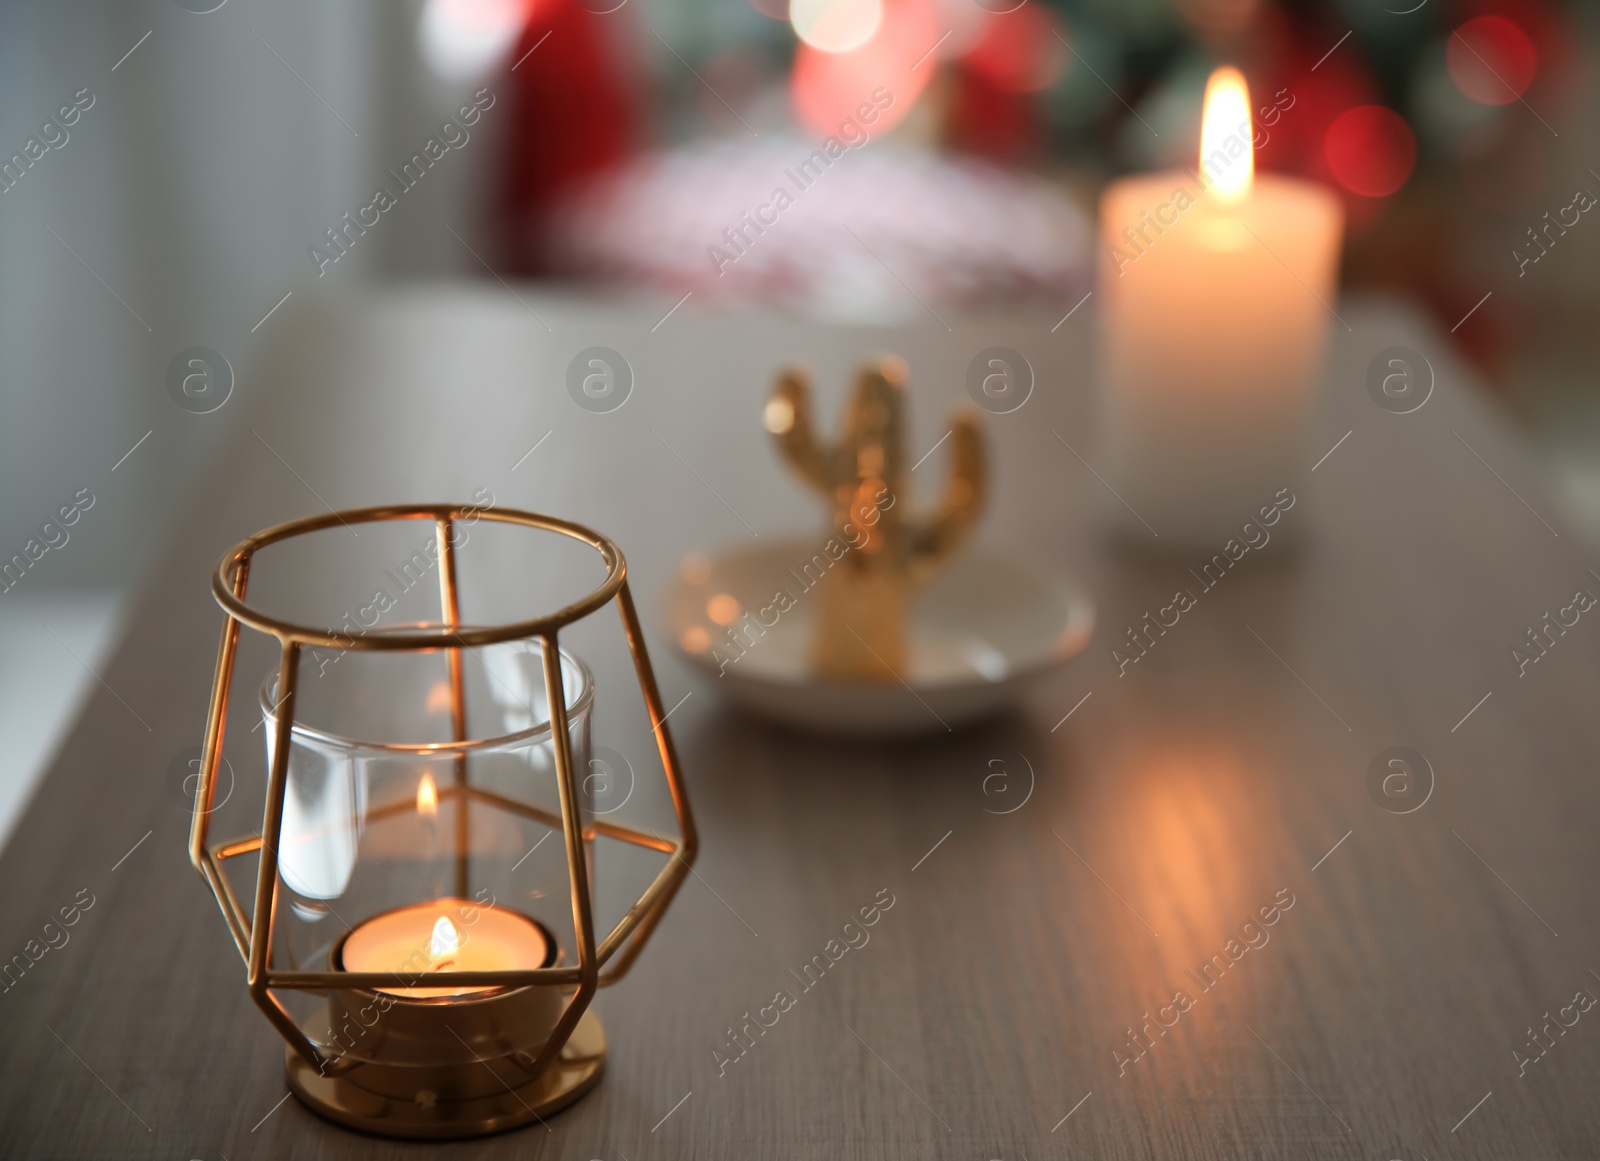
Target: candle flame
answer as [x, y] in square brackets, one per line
[445, 939]
[1227, 115]
[427, 796]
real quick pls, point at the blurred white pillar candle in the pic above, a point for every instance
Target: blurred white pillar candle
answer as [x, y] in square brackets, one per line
[1218, 290]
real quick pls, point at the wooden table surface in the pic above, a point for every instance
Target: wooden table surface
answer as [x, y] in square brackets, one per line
[990, 1013]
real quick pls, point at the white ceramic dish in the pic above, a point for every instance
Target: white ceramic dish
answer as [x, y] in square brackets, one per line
[979, 629]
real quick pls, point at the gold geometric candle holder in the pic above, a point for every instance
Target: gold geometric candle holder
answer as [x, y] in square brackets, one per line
[442, 1010]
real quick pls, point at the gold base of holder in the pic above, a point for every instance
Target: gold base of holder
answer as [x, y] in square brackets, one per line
[433, 1114]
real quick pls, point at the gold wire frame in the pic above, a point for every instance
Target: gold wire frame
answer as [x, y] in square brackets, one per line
[252, 933]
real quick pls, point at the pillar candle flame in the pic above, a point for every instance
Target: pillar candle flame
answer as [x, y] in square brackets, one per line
[1227, 114]
[427, 797]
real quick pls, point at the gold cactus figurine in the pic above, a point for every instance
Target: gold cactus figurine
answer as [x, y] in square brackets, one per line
[878, 553]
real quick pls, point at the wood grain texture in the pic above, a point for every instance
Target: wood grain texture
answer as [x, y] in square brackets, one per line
[992, 997]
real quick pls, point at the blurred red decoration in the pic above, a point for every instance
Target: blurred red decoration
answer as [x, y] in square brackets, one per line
[993, 111]
[1299, 88]
[828, 88]
[573, 113]
[1021, 50]
[1492, 59]
[1370, 150]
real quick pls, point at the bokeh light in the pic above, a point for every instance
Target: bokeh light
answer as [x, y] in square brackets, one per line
[462, 39]
[829, 89]
[1492, 60]
[1370, 150]
[836, 25]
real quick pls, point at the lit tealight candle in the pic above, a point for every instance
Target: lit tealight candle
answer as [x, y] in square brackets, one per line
[443, 936]
[1218, 291]
[427, 797]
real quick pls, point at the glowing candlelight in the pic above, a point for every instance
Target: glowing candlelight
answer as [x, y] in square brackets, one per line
[1217, 294]
[1226, 108]
[422, 940]
[444, 942]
